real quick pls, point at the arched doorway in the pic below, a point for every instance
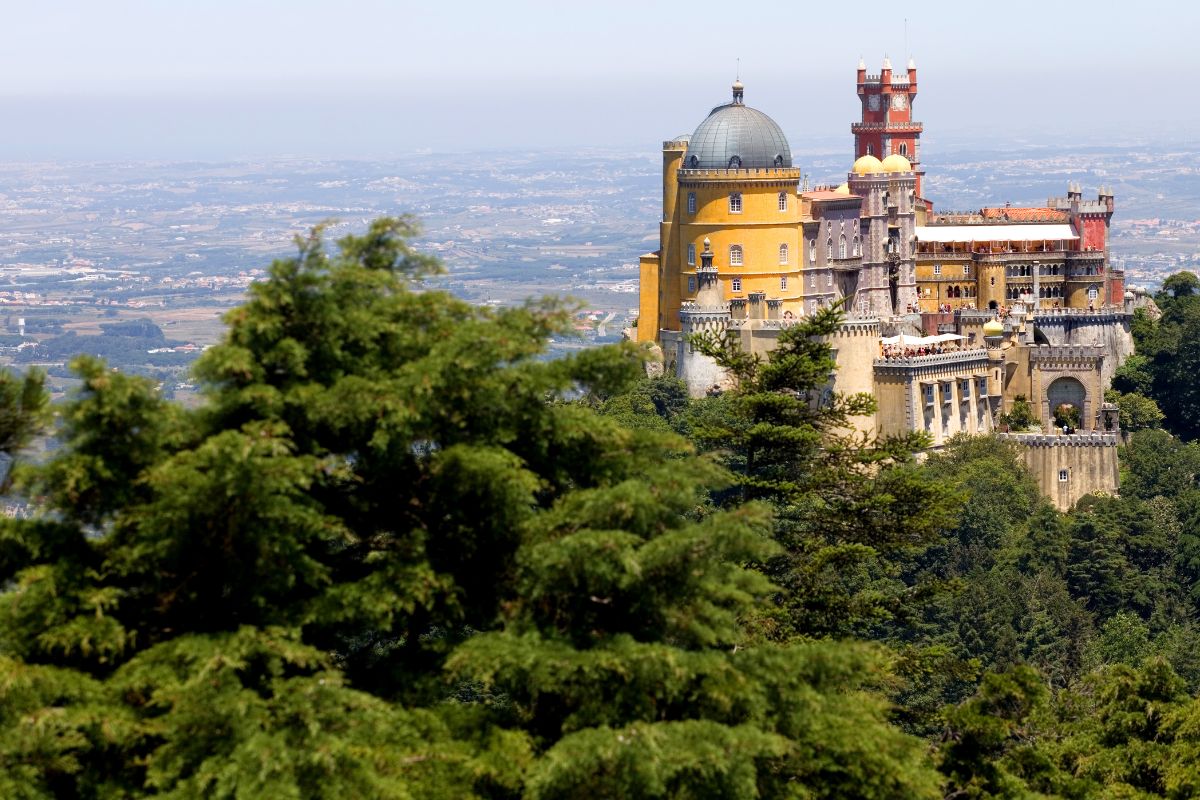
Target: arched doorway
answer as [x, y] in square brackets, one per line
[1071, 391]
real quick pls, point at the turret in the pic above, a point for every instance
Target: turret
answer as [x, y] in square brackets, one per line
[708, 294]
[885, 75]
[862, 71]
[912, 76]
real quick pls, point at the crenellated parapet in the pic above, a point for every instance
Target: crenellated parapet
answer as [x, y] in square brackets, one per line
[933, 364]
[1080, 439]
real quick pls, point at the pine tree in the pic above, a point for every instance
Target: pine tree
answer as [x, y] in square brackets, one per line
[390, 558]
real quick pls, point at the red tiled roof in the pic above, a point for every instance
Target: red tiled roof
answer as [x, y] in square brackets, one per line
[1025, 214]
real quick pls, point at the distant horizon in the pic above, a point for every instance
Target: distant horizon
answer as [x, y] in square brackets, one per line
[216, 127]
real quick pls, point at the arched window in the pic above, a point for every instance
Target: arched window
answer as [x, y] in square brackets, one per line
[870, 151]
[812, 251]
[783, 201]
[735, 202]
[735, 163]
[857, 244]
[842, 246]
[903, 149]
[829, 248]
[783, 254]
[735, 255]
[691, 202]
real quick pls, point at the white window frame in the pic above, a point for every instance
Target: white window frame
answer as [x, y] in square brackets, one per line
[736, 256]
[812, 251]
[937, 269]
[737, 284]
[783, 201]
[783, 253]
[966, 270]
[692, 253]
[783, 283]
[691, 202]
[1064, 475]
[735, 202]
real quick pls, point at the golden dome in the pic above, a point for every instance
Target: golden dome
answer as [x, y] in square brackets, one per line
[843, 189]
[896, 163]
[993, 327]
[866, 165]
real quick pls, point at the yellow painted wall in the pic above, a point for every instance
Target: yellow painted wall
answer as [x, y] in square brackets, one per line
[760, 228]
[649, 292]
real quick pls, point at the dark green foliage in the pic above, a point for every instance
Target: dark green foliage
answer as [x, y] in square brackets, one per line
[390, 558]
[1020, 417]
[848, 504]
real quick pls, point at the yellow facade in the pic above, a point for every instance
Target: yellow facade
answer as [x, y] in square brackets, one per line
[763, 223]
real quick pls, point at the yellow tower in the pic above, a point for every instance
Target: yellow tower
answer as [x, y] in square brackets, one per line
[731, 182]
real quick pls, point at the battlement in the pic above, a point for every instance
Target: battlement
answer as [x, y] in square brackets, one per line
[969, 356]
[1063, 316]
[895, 127]
[1080, 439]
[1065, 352]
[766, 174]
[676, 144]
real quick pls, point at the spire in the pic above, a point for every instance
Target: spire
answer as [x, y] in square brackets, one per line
[911, 63]
[887, 63]
[862, 64]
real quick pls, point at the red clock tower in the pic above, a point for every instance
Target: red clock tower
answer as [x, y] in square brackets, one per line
[887, 125]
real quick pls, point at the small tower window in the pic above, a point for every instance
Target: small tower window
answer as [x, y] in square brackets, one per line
[694, 161]
[967, 270]
[735, 202]
[1064, 475]
[857, 252]
[783, 254]
[691, 284]
[783, 283]
[829, 248]
[737, 284]
[812, 251]
[691, 254]
[691, 202]
[842, 246]
[937, 269]
[783, 203]
[735, 255]
[903, 149]
[870, 151]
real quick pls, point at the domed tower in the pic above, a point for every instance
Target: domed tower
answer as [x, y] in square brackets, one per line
[887, 282]
[735, 186]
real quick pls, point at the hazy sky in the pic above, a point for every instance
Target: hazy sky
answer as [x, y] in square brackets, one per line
[219, 78]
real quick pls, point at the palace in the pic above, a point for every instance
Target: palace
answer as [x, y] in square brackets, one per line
[951, 318]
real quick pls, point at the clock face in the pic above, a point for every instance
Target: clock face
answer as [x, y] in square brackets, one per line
[899, 102]
[873, 102]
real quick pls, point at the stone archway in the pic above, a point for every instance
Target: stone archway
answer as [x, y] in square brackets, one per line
[1067, 390]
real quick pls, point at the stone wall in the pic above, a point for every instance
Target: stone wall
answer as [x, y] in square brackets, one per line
[1108, 330]
[1068, 468]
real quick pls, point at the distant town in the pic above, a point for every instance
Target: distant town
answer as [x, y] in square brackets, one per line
[89, 247]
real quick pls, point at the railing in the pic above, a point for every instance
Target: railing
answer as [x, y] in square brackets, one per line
[962, 356]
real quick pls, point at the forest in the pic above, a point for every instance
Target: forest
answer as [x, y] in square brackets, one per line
[398, 553]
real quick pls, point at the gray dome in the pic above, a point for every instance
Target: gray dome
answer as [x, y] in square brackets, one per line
[736, 131]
